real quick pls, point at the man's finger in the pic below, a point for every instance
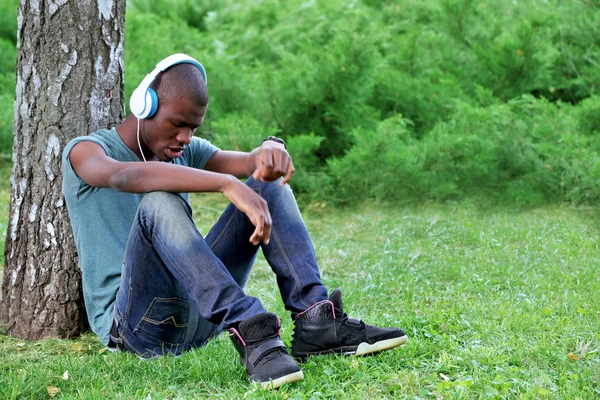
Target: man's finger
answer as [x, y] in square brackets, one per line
[259, 231]
[282, 162]
[267, 231]
[265, 165]
[288, 175]
[267, 158]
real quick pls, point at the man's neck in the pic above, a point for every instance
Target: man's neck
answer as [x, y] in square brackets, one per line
[127, 130]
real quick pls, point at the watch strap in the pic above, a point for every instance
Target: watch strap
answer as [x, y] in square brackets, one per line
[276, 140]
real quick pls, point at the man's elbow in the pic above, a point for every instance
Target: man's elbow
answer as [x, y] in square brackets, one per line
[122, 181]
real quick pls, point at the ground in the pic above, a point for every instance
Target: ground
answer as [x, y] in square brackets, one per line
[497, 302]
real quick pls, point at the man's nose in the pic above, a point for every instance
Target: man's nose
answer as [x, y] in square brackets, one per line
[185, 136]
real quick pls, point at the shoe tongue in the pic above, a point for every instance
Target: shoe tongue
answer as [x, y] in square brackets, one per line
[259, 327]
[336, 298]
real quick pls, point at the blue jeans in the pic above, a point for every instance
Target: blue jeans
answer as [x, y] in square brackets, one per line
[179, 289]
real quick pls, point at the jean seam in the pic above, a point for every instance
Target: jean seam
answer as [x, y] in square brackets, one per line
[129, 296]
[288, 263]
[130, 291]
[222, 233]
[166, 256]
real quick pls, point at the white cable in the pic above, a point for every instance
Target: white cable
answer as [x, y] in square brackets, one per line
[138, 139]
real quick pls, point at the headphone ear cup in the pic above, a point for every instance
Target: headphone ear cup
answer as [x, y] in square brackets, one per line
[152, 101]
[137, 103]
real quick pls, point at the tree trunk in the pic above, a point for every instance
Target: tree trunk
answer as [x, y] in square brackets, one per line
[69, 83]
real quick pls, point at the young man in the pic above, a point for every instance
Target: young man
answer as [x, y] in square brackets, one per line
[152, 283]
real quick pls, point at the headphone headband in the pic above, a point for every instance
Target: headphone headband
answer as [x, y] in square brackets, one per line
[144, 101]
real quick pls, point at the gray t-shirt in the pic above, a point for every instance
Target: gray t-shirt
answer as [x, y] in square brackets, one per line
[101, 219]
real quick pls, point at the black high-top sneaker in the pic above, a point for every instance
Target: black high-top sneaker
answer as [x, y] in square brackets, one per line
[325, 328]
[263, 353]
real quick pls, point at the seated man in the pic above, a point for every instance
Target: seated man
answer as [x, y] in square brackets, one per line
[152, 283]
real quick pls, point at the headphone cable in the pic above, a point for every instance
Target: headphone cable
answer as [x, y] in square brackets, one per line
[138, 140]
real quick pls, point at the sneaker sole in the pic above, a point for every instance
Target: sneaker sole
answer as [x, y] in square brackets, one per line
[366, 348]
[276, 383]
[360, 350]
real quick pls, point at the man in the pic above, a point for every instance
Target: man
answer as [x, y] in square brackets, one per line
[153, 285]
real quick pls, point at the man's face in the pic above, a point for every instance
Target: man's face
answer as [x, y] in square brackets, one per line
[172, 128]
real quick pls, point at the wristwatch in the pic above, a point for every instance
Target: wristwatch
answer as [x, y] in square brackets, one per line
[275, 139]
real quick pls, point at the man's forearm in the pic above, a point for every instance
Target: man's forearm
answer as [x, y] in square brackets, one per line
[155, 176]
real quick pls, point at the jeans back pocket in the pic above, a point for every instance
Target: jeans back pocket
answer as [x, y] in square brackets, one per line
[165, 321]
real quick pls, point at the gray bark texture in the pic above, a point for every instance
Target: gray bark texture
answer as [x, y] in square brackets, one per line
[69, 82]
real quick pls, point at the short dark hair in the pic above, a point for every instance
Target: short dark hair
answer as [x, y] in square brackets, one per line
[179, 81]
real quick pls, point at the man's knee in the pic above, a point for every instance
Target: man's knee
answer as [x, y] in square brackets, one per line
[163, 204]
[272, 191]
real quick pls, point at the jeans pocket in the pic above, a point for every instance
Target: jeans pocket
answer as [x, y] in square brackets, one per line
[165, 321]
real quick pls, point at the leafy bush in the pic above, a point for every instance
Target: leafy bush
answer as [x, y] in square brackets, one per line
[439, 99]
[588, 115]
[238, 132]
[7, 93]
[8, 20]
[527, 150]
[310, 181]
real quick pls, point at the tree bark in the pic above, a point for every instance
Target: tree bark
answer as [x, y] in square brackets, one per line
[69, 82]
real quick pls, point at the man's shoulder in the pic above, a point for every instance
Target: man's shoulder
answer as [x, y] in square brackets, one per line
[100, 137]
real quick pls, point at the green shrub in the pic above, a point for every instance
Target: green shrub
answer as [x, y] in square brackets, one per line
[192, 12]
[382, 164]
[526, 151]
[404, 100]
[6, 122]
[588, 115]
[310, 181]
[8, 21]
[7, 94]
[238, 132]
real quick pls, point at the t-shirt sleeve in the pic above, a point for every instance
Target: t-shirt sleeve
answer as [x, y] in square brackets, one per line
[73, 185]
[200, 151]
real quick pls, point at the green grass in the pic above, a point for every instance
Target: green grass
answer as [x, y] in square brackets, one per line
[494, 302]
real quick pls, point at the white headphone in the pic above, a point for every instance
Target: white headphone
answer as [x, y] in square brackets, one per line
[144, 101]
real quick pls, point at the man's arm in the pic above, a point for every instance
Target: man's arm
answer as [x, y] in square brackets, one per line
[268, 162]
[90, 163]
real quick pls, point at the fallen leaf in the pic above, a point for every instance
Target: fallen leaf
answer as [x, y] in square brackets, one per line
[52, 391]
[78, 347]
[572, 357]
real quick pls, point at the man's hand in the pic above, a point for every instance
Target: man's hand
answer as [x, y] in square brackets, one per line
[254, 206]
[272, 161]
